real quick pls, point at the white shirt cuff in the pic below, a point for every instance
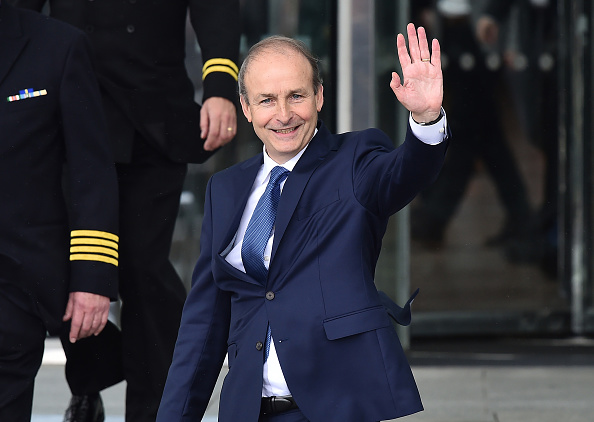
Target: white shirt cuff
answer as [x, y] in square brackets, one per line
[433, 134]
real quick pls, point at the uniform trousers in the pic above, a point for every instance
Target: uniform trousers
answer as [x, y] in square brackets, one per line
[22, 337]
[151, 291]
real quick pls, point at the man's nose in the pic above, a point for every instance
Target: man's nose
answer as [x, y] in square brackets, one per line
[284, 112]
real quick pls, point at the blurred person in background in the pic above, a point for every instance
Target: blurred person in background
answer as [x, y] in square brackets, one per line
[536, 51]
[471, 98]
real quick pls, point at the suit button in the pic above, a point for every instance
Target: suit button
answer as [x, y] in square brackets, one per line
[130, 29]
[269, 295]
[259, 346]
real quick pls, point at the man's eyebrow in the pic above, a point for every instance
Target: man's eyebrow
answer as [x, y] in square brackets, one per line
[264, 95]
[301, 91]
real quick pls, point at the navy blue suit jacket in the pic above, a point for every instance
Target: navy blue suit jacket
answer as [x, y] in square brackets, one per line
[339, 353]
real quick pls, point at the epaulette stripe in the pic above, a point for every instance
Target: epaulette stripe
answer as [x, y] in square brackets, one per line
[94, 249]
[226, 62]
[93, 257]
[94, 241]
[94, 233]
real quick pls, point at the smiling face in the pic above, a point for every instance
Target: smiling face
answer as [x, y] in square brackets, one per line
[281, 103]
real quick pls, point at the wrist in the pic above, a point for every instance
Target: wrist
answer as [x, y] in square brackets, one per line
[428, 120]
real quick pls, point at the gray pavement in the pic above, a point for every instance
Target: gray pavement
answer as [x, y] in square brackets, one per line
[483, 381]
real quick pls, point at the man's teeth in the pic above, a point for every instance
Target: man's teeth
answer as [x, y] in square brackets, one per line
[285, 130]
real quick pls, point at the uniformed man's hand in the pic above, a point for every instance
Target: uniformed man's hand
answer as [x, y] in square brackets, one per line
[88, 313]
[421, 89]
[218, 122]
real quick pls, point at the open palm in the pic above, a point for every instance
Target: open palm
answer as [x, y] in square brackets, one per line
[421, 88]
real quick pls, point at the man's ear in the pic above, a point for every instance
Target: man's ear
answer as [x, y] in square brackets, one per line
[320, 98]
[245, 108]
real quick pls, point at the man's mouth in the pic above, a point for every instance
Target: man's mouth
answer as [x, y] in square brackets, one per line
[285, 131]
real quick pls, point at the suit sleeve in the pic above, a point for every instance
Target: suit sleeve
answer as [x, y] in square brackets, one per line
[202, 339]
[385, 178]
[91, 182]
[217, 26]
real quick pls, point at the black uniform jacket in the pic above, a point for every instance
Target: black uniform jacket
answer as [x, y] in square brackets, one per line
[52, 130]
[139, 50]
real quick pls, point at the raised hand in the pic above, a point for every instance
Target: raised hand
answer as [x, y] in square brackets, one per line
[421, 89]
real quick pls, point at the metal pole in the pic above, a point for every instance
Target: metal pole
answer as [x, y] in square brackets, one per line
[402, 270]
[344, 95]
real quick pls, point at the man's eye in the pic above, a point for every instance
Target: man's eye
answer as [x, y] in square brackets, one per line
[297, 96]
[265, 101]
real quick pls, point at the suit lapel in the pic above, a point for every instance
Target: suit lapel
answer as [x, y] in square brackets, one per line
[313, 156]
[237, 191]
[12, 40]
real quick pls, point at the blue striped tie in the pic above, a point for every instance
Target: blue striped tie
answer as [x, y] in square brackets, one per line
[259, 230]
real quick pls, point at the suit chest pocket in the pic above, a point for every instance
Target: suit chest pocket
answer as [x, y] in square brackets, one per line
[317, 203]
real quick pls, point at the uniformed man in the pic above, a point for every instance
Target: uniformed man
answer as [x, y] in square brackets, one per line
[58, 251]
[155, 129]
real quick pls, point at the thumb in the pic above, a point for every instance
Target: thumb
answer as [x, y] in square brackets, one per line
[395, 83]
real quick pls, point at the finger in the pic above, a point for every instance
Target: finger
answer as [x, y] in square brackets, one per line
[214, 136]
[68, 312]
[75, 328]
[413, 43]
[403, 56]
[102, 325]
[436, 53]
[204, 122]
[423, 44]
[99, 322]
[228, 129]
[86, 328]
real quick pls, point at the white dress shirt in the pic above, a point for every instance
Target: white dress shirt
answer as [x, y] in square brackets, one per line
[274, 383]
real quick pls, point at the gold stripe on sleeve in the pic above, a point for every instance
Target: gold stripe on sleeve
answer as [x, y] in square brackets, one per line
[225, 62]
[94, 233]
[93, 249]
[93, 241]
[223, 69]
[93, 257]
[220, 65]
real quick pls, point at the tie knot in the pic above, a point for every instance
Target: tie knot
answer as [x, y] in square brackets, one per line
[277, 175]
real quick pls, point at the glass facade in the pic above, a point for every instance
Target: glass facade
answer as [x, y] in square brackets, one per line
[502, 242]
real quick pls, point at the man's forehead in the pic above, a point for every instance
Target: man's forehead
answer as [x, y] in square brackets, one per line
[277, 59]
[292, 69]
